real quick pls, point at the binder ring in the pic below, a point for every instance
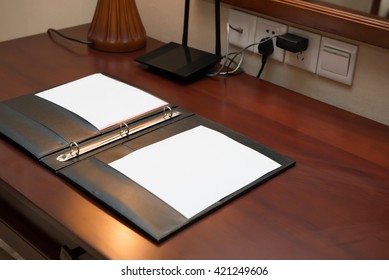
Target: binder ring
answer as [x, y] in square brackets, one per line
[74, 149]
[167, 112]
[124, 129]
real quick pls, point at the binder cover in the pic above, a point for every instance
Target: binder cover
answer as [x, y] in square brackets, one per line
[25, 121]
[42, 123]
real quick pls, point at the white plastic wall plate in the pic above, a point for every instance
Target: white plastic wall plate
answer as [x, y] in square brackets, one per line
[337, 60]
[245, 22]
[307, 59]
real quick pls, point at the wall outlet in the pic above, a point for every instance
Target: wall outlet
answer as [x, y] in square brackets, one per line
[246, 24]
[267, 28]
[307, 59]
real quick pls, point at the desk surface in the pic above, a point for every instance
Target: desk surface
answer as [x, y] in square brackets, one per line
[334, 204]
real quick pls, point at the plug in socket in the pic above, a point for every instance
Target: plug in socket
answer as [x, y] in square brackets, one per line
[267, 28]
[307, 59]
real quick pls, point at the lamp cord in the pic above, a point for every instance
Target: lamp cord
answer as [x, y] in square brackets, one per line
[51, 30]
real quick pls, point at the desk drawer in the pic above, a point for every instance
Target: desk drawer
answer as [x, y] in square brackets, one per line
[30, 232]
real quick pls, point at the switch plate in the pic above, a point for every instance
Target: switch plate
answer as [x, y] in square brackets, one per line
[307, 59]
[245, 22]
[267, 28]
[337, 60]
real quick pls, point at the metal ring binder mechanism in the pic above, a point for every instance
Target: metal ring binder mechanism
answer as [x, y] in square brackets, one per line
[124, 129]
[76, 149]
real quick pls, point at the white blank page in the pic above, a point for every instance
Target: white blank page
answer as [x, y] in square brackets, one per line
[102, 101]
[194, 169]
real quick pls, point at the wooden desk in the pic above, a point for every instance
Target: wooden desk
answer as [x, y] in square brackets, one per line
[334, 204]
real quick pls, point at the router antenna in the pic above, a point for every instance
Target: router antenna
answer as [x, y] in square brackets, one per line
[186, 23]
[217, 28]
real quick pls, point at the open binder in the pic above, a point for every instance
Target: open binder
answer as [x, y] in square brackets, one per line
[103, 154]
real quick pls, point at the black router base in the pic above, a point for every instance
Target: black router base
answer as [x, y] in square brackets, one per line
[179, 61]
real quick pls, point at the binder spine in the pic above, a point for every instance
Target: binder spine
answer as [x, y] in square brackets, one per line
[76, 149]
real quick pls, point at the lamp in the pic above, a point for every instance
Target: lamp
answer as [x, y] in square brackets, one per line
[117, 27]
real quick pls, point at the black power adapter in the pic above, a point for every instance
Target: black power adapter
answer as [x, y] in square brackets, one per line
[292, 43]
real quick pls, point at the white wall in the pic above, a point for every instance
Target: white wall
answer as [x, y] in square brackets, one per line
[384, 8]
[363, 6]
[368, 96]
[20, 18]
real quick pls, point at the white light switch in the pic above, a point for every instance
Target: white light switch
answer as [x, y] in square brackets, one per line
[337, 60]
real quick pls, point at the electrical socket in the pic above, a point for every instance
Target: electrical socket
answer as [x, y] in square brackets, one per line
[307, 59]
[267, 28]
[244, 22]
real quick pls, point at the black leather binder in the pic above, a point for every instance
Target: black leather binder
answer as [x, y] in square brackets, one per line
[81, 153]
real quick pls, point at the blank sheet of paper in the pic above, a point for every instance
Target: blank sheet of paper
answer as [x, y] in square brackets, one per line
[102, 101]
[194, 169]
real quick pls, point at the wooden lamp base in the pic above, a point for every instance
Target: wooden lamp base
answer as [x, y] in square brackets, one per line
[117, 27]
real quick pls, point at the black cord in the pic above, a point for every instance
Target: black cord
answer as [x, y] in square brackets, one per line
[51, 30]
[265, 48]
[264, 60]
[263, 41]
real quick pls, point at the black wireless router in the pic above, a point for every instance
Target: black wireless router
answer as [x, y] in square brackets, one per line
[180, 60]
